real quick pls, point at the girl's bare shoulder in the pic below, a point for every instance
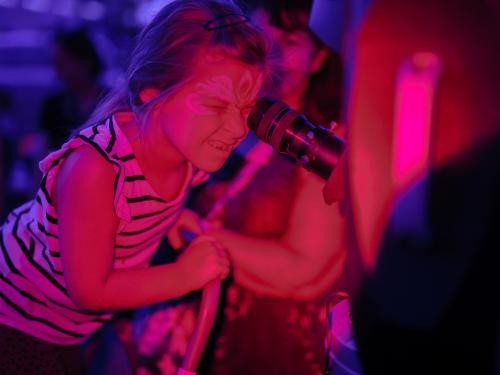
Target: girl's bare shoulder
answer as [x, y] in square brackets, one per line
[85, 171]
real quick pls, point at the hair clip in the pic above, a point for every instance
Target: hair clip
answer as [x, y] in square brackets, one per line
[226, 20]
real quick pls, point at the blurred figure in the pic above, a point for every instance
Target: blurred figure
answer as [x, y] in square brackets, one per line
[78, 66]
[286, 262]
[7, 132]
[287, 248]
[18, 153]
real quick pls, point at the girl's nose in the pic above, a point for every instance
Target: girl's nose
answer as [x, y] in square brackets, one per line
[236, 126]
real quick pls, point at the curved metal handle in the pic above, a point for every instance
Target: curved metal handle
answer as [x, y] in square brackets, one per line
[204, 323]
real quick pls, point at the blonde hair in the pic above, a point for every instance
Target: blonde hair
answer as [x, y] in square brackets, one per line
[167, 49]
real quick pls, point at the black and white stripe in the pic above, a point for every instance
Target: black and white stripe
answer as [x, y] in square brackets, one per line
[32, 288]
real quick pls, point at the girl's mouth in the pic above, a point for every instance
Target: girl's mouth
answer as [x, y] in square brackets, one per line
[221, 146]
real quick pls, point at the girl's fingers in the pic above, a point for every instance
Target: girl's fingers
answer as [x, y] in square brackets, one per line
[224, 272]
[204, 238]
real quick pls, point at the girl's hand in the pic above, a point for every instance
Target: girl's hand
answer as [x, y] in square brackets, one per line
[204, 260]
[188, 220]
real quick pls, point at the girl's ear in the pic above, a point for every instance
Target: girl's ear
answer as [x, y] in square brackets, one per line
[319, 59]
[148, 94]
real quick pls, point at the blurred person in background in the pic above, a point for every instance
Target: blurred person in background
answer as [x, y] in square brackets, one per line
[78, 66]
[19, 155]
[287, 248]
[8, 138]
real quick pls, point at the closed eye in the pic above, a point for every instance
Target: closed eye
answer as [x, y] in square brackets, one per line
[217, 107]
[214, 103]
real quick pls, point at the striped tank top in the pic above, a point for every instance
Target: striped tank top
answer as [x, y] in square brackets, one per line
[33, 295]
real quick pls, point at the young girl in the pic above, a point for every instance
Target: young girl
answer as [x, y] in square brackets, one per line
[80, 249]
[288, 249]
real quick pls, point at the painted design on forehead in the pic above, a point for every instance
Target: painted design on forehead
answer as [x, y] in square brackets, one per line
[247, 89]
[213, 94]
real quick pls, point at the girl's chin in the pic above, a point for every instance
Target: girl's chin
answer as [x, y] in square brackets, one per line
[211, 159]
[210, 166]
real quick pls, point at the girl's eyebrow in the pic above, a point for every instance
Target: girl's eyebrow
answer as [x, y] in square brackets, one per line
[214, 96]
[225, 101]
[251, 105]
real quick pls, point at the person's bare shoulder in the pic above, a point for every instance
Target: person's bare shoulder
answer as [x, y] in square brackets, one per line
[85, 172]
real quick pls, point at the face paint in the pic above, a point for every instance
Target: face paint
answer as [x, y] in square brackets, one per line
[206, 118]
[247, 89]
[219, 94]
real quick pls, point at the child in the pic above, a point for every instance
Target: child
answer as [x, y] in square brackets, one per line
[288, 250]
[80, 249]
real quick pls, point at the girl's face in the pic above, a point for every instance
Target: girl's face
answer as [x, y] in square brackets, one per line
[206, 118]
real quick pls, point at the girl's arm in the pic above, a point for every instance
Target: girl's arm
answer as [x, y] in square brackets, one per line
[305, 262]
[87, 228]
